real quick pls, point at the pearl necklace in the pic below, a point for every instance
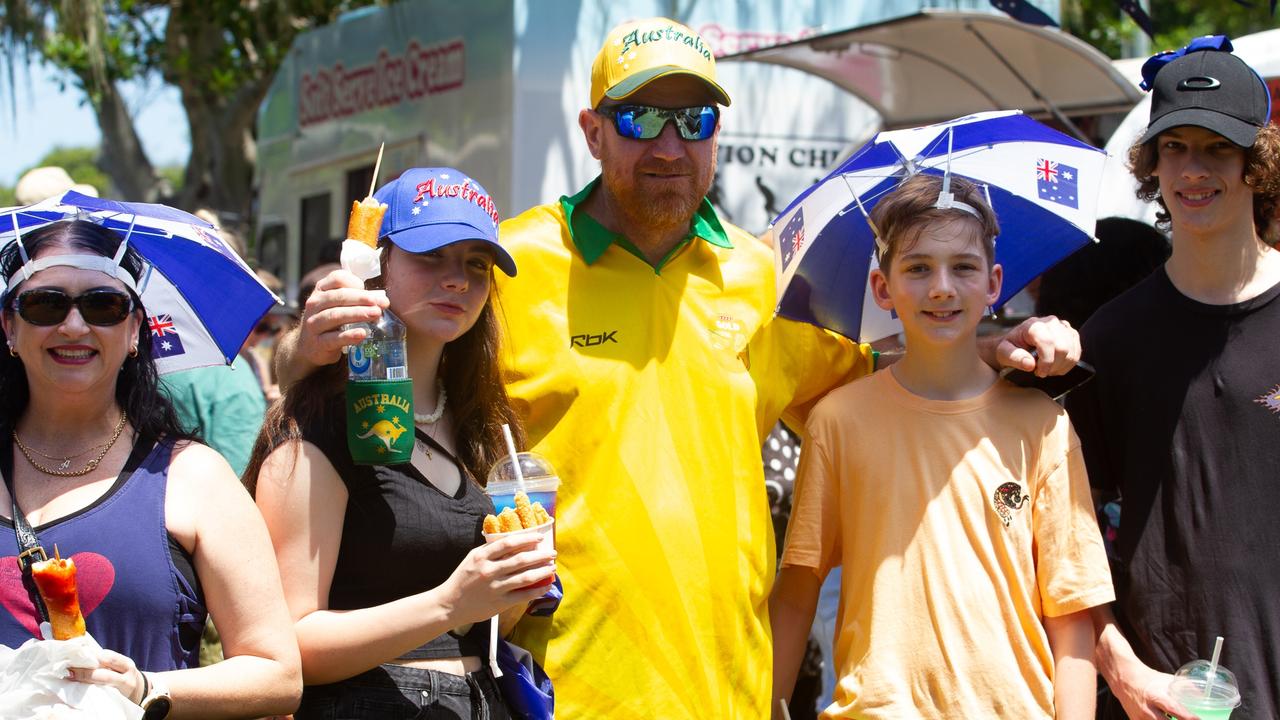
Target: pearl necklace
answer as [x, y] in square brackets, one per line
[432, 418]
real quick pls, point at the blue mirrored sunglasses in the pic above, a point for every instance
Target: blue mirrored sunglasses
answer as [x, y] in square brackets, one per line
[644, 122]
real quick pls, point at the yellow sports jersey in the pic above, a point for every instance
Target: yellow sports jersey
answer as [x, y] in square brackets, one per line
[651, 391]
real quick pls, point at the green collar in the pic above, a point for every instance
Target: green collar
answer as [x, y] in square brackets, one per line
[592, 239]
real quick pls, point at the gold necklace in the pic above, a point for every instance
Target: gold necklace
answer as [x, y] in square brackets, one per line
[93, 464]
[66, 459]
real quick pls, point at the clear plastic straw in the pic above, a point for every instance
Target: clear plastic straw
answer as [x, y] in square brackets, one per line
[493, 647]
[515, 457]
[1213, 666]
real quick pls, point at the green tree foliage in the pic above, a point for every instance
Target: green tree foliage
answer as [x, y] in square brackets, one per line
[221, 55]
[81, 163]
[1104, 25]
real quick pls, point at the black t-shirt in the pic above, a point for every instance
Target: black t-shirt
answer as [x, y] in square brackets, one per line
[1182, 421]
[400, 535]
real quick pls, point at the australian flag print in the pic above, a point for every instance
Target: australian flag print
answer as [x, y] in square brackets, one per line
[164, 337]
[1057, 183]
[792, 238]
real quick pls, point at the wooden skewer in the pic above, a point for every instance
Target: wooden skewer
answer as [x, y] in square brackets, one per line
[373, 183]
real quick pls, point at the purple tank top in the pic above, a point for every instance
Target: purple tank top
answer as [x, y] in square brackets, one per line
[134, 599]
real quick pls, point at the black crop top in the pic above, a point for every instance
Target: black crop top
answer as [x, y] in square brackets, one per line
[401, 535]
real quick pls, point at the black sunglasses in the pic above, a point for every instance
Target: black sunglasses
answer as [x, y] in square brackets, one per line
[49, 306]
[645, 122]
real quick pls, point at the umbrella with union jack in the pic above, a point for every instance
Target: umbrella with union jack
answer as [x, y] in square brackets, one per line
[200, 298]
[1043, 186]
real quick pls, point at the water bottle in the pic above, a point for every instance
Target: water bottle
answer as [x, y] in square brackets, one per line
[380, 395]
[382, 354]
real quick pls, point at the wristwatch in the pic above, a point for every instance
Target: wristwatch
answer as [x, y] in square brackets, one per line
[155, 701]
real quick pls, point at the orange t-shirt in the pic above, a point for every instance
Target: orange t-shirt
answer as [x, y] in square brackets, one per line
[960, 525]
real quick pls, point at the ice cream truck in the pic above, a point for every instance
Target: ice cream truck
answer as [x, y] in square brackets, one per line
[494, 87]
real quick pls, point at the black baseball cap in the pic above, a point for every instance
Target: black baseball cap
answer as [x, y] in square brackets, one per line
[1211, 89]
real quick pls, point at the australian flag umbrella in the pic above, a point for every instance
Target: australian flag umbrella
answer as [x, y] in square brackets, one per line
[1042, 184]
[201, 300]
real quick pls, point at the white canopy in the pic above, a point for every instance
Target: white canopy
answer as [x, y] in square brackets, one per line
[938, 65]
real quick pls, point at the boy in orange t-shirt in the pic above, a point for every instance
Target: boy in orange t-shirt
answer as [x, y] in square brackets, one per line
[959, 507]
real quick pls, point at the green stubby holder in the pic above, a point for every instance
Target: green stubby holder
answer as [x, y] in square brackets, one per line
[380, 421]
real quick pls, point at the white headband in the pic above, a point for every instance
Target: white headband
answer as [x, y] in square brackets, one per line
[104, 265]
[948, 201]
[100, 263]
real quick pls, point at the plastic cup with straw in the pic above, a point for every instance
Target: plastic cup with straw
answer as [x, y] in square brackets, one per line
[1206, 688]
[504, 494]
[513, 463]
[525, 472]
[493, 626]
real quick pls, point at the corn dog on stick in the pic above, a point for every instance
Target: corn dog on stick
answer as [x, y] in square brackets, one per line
[365, 222]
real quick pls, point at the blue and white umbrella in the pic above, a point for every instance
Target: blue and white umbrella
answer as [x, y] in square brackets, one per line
[200, 298]
[1043, 186]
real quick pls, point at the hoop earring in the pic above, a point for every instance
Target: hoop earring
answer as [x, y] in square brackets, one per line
[133, 351]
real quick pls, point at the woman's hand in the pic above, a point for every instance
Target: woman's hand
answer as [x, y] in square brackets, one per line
[494, 577]
[339, 299]
[114, 670]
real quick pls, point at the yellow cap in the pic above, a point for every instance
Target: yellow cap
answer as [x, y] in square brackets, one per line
[638, 52]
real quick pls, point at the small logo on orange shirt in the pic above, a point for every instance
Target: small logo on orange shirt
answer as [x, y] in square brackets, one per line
[1008, 498]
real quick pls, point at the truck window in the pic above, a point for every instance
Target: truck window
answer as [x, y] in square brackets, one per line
[271, 248]
[358, 184]
[316, 235]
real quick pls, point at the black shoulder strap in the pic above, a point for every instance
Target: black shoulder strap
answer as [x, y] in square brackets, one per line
[29, 548]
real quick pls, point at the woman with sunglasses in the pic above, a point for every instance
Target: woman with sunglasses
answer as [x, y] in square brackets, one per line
[94, 461]
[385, 568]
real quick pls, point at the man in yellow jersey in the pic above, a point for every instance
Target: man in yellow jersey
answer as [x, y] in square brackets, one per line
[643, 353]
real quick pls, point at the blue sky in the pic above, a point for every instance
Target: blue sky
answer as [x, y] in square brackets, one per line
[48, 117]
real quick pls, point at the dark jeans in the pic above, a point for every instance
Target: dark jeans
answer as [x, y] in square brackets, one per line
[394, 692]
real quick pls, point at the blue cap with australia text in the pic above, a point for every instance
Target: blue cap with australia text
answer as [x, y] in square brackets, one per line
[428, 208]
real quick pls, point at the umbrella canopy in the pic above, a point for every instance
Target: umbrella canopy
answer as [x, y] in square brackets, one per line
[939, 64]
[1043, 186]
[200, 298]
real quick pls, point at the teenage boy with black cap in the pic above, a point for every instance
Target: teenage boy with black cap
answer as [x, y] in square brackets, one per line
[1183, 418]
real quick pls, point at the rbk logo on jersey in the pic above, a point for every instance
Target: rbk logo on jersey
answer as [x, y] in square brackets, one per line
[590, 340]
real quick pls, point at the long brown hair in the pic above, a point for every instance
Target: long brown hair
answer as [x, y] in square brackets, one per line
[472, 377]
